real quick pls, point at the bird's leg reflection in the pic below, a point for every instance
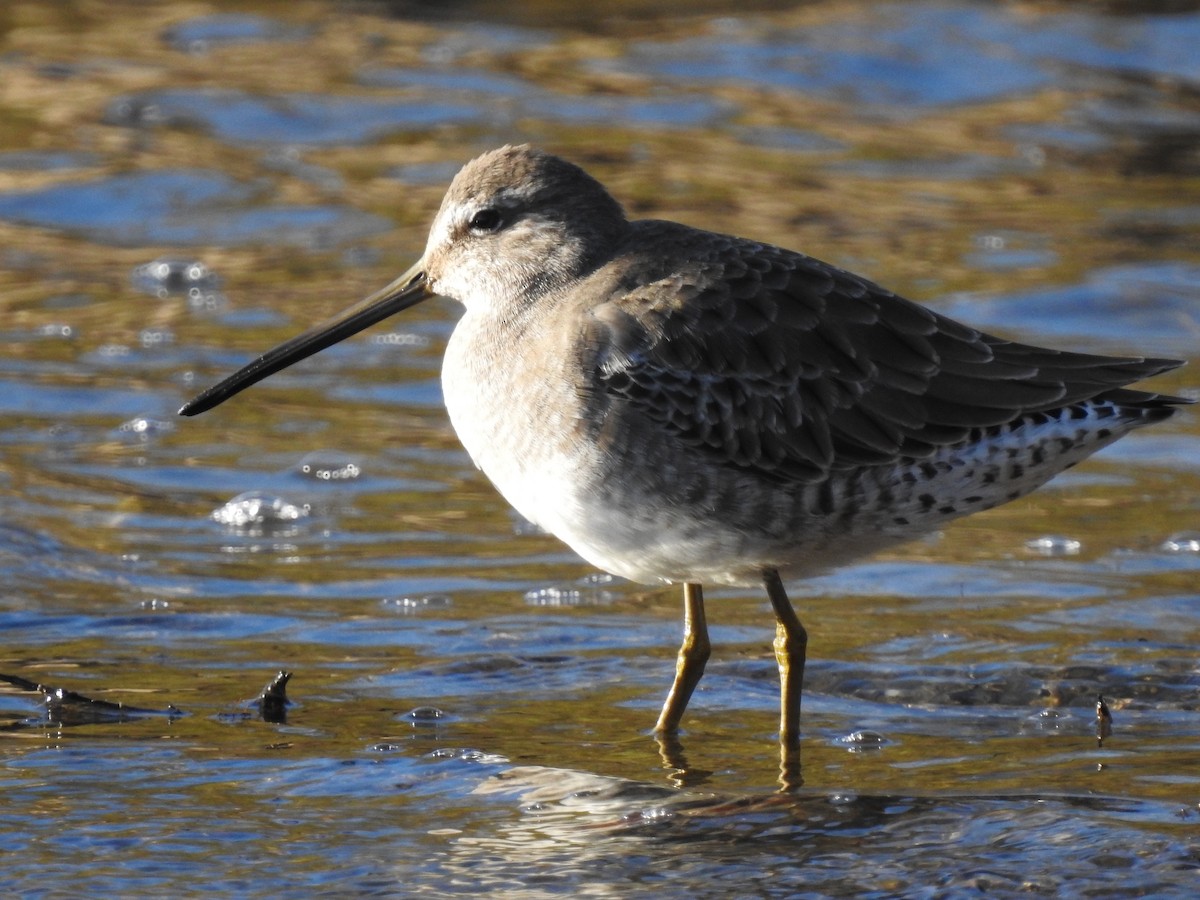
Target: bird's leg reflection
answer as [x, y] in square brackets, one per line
[674, 760]
[682, 774]
[790, 776]
[689, 666]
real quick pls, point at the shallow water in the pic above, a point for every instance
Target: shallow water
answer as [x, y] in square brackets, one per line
[470, 703]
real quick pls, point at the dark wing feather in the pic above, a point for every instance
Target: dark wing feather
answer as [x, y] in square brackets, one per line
[791, 367]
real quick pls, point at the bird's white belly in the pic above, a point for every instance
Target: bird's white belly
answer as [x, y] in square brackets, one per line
[642, 540]
[524, 435]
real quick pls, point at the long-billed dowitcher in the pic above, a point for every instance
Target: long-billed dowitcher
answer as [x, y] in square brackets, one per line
[683, 406]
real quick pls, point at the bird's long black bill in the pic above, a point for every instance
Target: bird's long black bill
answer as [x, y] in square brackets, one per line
[406, 291]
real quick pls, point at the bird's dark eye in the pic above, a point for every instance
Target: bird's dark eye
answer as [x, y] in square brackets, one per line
[485, 221]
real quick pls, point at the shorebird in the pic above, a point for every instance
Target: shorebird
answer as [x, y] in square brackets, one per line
[688, 407]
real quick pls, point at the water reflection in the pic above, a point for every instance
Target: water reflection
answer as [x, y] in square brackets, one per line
[1024, 169]
[182, 207]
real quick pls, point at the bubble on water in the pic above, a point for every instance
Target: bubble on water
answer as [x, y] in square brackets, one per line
[324, 465]
[156, 337]
[257, 509]
[54, 330]
[568, 595]
[133, 112]
[598, 578]
[1052, 718]
[385, 747]
[466, 754]
[1182, 542]
[203, 301]
[143, 428]
[410, 605]
[649, 814]
[424, 714]
[1054, 545]
[167, 276]
[155, 604]
[590, 590]
[400, 339]
[860, 741]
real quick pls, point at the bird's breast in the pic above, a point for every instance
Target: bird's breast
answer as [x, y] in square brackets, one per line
[513, 402]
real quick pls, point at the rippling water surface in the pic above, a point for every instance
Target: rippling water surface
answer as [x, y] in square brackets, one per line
[183, 186]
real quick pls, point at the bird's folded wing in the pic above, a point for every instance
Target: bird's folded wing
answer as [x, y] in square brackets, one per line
[777, 362]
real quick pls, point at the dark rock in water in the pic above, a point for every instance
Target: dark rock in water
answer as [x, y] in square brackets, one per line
[1103, 720]
[65, 707]
[273, 701]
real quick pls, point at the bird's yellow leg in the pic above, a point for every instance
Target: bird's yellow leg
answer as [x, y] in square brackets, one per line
[689, 666]
[791, 646]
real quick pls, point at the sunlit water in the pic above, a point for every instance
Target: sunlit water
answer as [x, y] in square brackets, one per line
[470, 705]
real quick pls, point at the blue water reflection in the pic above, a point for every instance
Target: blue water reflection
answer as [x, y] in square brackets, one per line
[185, 207]
[180, 191]
[927, 55]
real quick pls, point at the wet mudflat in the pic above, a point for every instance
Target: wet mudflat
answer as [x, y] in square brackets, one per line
[469, 705]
